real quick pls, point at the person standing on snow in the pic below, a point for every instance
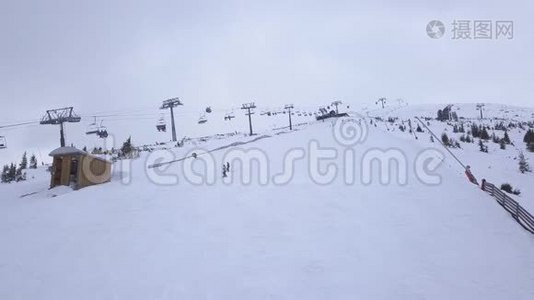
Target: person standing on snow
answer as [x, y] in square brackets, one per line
[224, 172]
[470, 175]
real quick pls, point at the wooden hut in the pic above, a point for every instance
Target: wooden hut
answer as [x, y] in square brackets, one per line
[78, 169]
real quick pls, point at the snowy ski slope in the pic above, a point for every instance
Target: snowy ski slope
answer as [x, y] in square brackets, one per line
[300, 240]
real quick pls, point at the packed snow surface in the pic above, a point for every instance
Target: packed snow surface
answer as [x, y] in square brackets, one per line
[137, 239]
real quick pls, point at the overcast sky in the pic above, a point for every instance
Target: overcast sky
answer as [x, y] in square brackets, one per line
[102, 56]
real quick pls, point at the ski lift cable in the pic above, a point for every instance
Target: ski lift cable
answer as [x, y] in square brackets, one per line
[138, 113]
[18, 124]
[444, 146]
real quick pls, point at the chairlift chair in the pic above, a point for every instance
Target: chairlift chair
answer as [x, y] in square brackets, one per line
[202, 120]
[3, 142]
[161, 126]
[92, 128]
[229, 116]
[102, 131]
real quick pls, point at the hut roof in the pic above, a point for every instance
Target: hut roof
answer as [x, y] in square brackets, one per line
[66, 151]
[74, 151]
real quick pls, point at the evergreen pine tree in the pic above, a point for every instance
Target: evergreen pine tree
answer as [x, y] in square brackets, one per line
[484, 134]
[454, 116]
[475, 131]
[440, 115]
[12, 173]
[495, 138]
[24, 161]
[523, 164]
[5, 176]
[126, 147]
[506, 138]
[445, 139]
[18, 175]
[482, 147]
[529, 137]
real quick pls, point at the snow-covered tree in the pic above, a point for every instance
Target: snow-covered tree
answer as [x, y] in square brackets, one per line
[24, 162]
[12, 173]
[482, 146]
[502, 144]
[127, 147]
[475, 130]
[529, 140]
[529, 137]
[484, 134]
[506, 138]
[33, 162]
[461, 129]
[523, 164]
[440, 115]
[20, 175]
[5, 174]
[445, 139]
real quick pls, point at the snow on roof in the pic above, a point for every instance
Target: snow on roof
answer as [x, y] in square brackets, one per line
[73, 151]
[66, 151]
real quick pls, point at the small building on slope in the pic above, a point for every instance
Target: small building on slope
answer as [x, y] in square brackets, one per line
[78, 169]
